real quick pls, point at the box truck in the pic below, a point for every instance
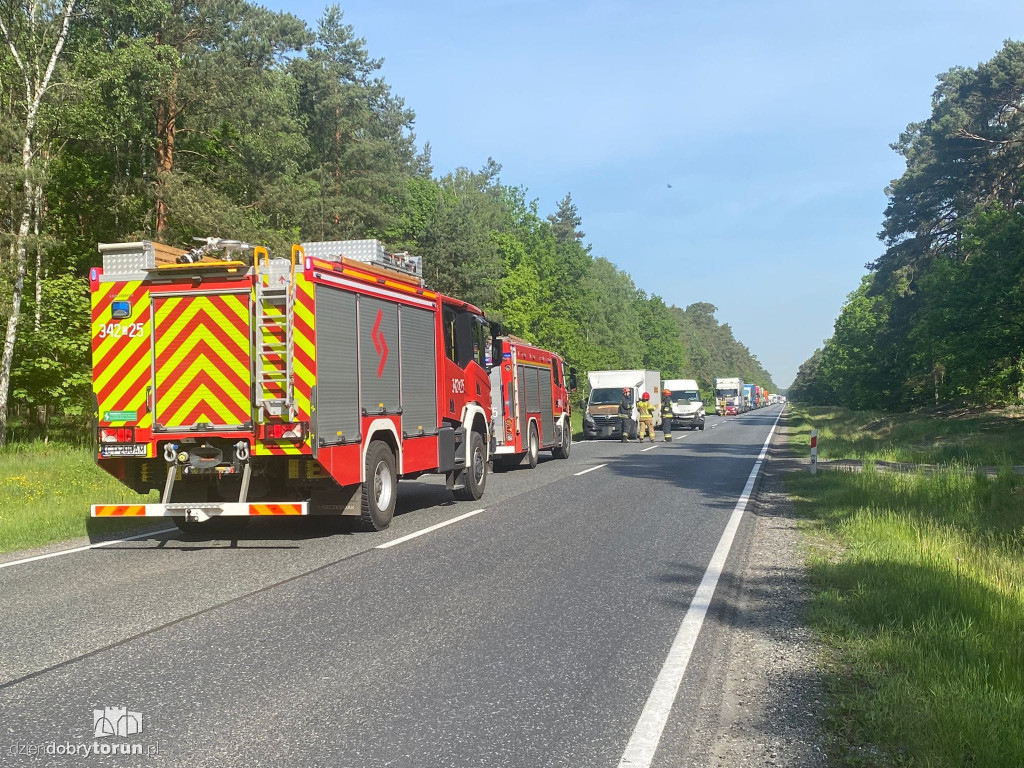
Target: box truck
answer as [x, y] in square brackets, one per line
[601, 418]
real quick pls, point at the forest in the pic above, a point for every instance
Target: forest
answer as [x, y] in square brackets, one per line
[939, 318]
[169, 119]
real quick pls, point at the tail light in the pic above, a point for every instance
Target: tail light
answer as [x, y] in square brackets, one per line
[117, 434]
[277, 431]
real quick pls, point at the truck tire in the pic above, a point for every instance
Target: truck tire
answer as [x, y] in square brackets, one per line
[634, 431]
[533, 447]
[563, 450]
[380, 489]
[475, 472]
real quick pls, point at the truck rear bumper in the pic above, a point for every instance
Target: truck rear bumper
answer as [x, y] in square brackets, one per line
[200, 510]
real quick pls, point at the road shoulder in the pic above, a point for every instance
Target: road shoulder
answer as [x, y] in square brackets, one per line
[772, 693]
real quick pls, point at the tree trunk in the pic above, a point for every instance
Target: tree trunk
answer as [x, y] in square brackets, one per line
[37, 207]
[166, 117]
[21, 260]
[36, 85]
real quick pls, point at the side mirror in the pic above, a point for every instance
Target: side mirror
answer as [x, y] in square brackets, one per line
[497, 348]
[572, 380]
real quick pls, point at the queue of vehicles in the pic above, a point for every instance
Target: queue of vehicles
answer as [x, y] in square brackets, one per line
[309, 385]
[241, 387]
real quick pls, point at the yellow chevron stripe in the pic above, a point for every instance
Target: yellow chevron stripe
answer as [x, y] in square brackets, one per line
[225, 357]
[109, 367]
[129, 380]
[168, 335]
[203, 396]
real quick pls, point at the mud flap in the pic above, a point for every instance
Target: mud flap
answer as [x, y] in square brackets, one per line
[336, 501]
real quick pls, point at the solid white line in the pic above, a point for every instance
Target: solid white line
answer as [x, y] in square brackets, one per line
[645, 450]
[647, 733]
[590, 470]
[428, 529]
[87, 546]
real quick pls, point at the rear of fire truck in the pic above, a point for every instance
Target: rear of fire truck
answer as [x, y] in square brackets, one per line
[206, 384]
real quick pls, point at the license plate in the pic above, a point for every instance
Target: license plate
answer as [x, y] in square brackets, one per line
[111, 450]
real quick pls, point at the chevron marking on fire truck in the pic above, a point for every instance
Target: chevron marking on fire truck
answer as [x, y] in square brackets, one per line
[121, 351]
[202, 360]
[121, 510]
[275, 509]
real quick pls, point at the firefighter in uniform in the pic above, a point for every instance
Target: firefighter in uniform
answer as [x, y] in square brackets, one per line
[646, 417]
[625, 412]
[666, 414]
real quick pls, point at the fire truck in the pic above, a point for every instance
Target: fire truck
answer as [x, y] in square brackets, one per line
[240, 386]
[530, 405]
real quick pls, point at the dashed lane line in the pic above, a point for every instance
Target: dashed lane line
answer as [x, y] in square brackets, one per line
[589, 470]
[428, 529]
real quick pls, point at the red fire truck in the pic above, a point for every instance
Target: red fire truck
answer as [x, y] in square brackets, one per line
[530, 403]
[282, 386]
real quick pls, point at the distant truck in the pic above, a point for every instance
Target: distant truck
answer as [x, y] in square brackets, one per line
[684, 402]
[729, 394]
[530, 390]
[601, 418]
[748, 397]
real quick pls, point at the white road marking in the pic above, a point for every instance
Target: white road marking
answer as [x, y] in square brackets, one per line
[428, 529]
[643, 743]
[651, 448]
[590, 470]
[87, 546]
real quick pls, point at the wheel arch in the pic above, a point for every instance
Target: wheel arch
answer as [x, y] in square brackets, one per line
[382, 430]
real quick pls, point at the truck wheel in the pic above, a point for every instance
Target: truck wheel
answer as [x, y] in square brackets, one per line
[634, 431]
[476, 471]
[562, 451]
[533, 447]
[380, 489]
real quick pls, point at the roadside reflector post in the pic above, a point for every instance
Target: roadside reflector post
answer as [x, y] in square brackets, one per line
[814, 451]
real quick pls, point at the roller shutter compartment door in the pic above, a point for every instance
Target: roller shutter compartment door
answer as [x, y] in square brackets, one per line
[337, 384]
[419, 371]
[378, 355]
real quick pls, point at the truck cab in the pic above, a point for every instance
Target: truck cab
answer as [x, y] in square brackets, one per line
[684, 403]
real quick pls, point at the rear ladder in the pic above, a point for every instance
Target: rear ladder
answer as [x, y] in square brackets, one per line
[275, 303]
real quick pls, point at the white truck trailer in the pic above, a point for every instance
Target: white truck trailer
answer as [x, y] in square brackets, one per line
[601, 418]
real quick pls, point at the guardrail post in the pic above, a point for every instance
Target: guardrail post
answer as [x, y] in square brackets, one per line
[814, 451]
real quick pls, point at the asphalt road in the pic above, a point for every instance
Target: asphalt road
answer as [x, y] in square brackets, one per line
[529, 634]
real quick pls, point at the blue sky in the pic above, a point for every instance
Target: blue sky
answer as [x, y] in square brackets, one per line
[771, 119]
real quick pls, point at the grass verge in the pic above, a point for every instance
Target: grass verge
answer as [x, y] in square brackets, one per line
[977, 438]
[45, 493]
[919, 598]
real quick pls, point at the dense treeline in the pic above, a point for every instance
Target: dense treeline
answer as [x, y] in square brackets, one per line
[940, 316]
[168, 120]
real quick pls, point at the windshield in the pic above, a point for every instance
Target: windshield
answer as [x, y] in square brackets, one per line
[684, 397]
[606, 396]
[726, 393]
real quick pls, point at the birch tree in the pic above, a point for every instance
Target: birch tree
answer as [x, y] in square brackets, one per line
[35, 33]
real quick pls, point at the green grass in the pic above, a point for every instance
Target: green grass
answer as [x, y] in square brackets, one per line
[980, 438]
[918, 585]
[46, 491]
[576, 420]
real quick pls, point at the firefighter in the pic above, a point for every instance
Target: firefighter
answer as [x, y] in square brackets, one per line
[666, 414]
[625, 413]
[646, 416]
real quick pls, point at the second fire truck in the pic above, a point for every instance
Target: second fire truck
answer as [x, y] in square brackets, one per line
[530, 390]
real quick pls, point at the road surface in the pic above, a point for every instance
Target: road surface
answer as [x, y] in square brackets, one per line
[528, 634]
